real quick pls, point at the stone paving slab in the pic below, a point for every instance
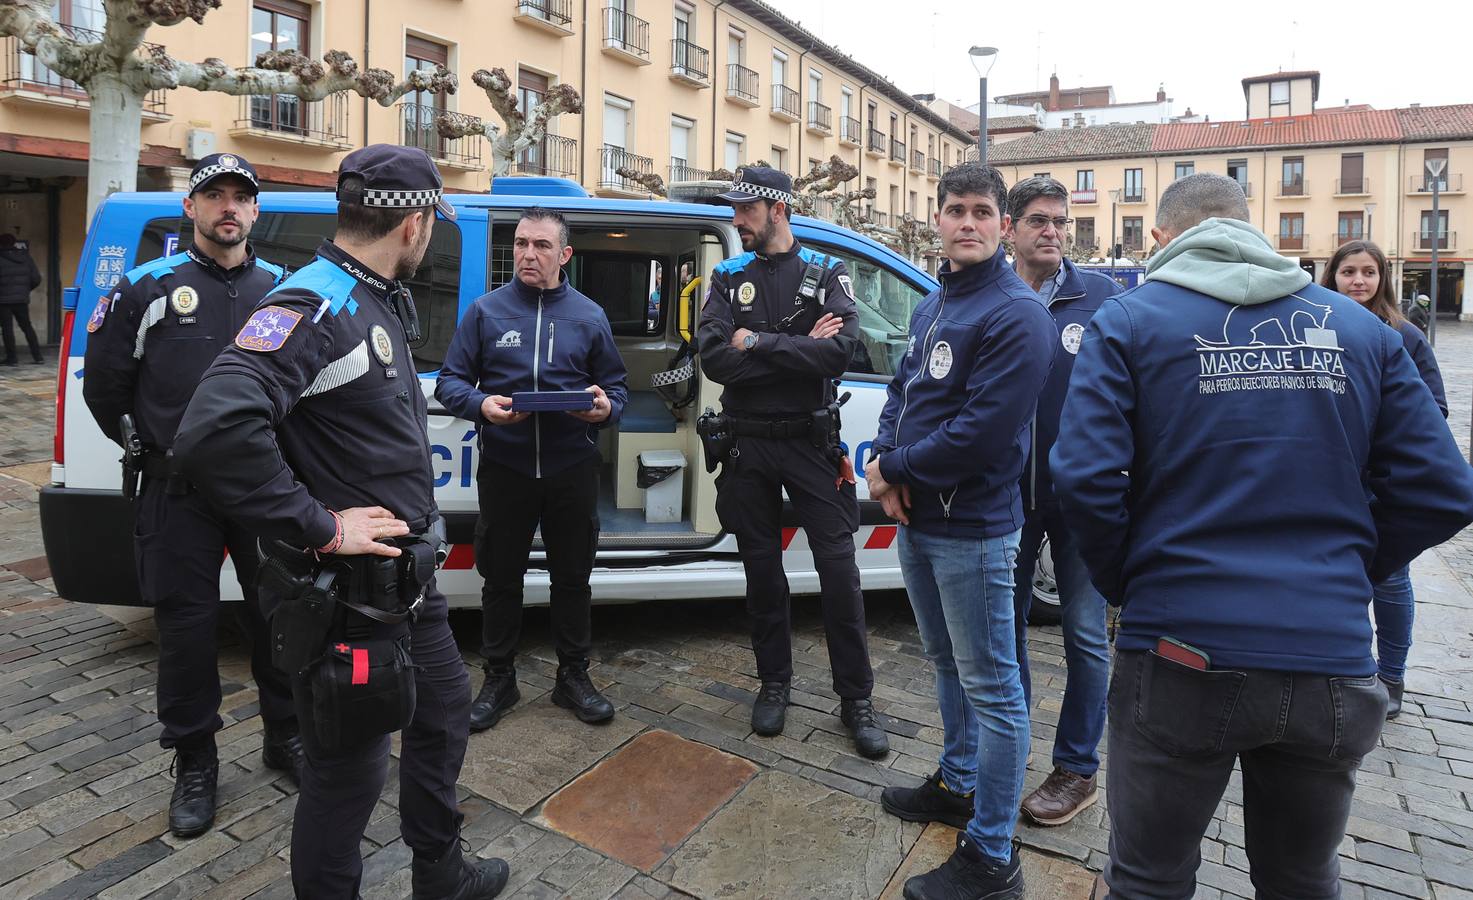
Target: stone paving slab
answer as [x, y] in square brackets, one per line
[639, 804]
[785, 836]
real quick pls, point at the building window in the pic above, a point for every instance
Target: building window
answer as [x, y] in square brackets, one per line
[846, 103]
[1084, 180]
[779, 67]
[1424, 178]
[915, 200]
[86, 20]
[420, 107]
[1237, 170]
[1183, 169]
[895, 200]
[279, 25]
[1278, 98]
[531, 88]
[682, 141]
[685, 22]
[930, 210]
[1429, 235]
[780, 159]
[1040, 175]
[735, 144]
[1291, 231]
[1291, 183]
[1133, 233]
[1352, 174]
[874, 191]
[1084, 232]
[1135, 186]
[736, 47]
[815, 85]
[1350, 227]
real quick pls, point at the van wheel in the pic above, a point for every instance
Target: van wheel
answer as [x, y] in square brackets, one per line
[1044, 609]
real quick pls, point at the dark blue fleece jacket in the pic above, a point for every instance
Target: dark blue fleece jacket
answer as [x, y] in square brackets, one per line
[519, 338]
[955, 423]
[1217, 451]
[1078, 298]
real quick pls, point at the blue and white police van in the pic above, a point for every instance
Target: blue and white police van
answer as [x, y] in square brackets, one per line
[644, 261]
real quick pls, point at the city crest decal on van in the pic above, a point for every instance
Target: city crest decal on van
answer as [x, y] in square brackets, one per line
[267, 329]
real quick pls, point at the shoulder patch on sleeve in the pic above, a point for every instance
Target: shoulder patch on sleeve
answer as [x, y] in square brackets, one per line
[267, 329]
[99, 313]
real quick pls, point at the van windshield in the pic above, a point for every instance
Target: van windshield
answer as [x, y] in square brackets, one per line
[291, 240]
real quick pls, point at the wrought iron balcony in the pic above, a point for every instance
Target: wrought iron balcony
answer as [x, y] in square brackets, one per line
[690, 63]
[741, 85]
[917, 161]
[612, 159]
[1292, 242]
[877, 142]
[285, 117]
[1352, 187]
[784, 102]
[626, 36]
[417, 129]
[935, 170]
[553, 155]
[820, 118]
[1425, 241]
[1297, 187]
[1450, 183]
[679, 171]
[850, 130]
[550, 15]
[23, 73]
[897, 151]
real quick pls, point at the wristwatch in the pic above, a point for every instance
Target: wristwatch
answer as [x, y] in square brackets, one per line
[750, 341]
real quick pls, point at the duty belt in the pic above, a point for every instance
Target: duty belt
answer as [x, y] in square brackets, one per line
[772, 428]
[158, 466]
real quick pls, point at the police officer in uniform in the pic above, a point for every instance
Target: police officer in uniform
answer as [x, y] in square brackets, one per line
[150, 342]
[311, 428]
[779, 324]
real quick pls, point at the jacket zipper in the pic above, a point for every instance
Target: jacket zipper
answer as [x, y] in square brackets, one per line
[536, 384]
[925, 353]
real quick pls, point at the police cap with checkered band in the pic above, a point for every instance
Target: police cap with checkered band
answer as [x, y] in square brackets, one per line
[221, 165]
[760, 183]
[394, 177]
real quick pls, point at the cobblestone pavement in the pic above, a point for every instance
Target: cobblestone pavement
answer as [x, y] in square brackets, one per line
[677, 797]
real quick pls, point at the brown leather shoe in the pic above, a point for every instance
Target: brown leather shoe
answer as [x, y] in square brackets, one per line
[1062, 796]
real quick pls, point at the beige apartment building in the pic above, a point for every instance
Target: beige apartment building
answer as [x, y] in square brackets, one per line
[1315, 178]
[673, 87]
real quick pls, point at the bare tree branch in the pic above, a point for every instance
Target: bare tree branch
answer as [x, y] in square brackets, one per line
[522, 130]
[290, 72]
[647, 180]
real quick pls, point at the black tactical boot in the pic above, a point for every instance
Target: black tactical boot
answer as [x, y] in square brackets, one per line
[453, 877]
[770, 710]
[968, 875]
[933, 801]
[859, 717]
[576, 692]
[498, 695]
[281, 749]
[192, 808]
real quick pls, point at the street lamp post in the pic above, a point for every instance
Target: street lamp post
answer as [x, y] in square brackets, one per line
[982, 60]
[1370, 208]
[1114, 199]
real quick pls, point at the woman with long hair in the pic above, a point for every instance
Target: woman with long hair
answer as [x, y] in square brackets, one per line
[1359, 271]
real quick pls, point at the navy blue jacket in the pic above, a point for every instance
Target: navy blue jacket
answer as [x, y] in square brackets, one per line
[1425, 360]
[314, 407]
[1079, 297]
[519, 338]
[955, 423]
[1214, 462]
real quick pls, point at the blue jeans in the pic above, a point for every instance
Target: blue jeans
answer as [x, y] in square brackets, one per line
[962, 590]
[1086, 648]
[1394, 607]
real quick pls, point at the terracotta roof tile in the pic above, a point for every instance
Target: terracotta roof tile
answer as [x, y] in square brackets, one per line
[1430, 123]
[1281, 76]
[1369, 127]
[1093, 142]
[1009, 123]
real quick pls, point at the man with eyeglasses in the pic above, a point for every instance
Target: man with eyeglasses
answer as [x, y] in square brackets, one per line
[1038, 233]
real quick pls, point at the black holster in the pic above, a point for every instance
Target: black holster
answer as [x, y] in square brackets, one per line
[303, 620]
[132, 459]
[718, 440]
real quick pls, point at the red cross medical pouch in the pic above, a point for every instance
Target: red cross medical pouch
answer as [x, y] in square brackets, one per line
[361, 689]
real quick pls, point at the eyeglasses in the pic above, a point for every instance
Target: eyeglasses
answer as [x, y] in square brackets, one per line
[1038, 223]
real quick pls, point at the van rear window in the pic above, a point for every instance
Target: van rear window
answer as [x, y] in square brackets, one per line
[291, 240]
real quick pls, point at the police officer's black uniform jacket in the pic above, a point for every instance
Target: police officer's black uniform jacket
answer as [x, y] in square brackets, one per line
[788, 373]
[154, 336]
[315, 406]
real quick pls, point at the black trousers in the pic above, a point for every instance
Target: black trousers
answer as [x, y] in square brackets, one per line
[21, 313]
[179, 544]
[1175, 733]
[340, 788]
[512, 506]
[749, 505]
